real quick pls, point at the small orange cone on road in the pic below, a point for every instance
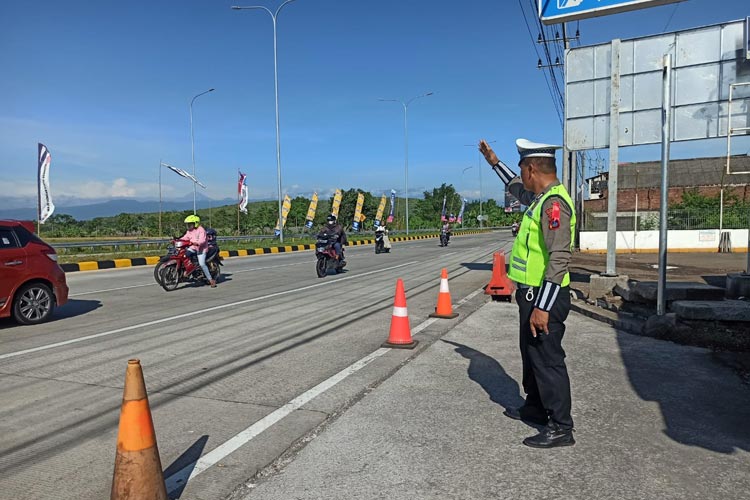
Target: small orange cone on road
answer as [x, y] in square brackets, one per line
[400, 335]
[444, 307]
[500, 286]
[138, 473]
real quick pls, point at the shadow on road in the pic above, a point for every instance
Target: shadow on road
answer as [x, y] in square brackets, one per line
[477, 266]
[71, 309]
[76, 307]
[185, 461]
[490, 375]
[702, 400]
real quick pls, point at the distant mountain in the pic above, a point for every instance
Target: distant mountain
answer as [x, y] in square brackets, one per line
[113, 207]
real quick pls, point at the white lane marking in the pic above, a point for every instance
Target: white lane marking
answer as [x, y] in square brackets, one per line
[447, 254]
[271, 267]
[152, 284]
[234, 443]
[110, 290]
[193, 313]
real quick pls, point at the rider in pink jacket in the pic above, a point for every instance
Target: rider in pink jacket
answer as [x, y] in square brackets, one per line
[198, 244]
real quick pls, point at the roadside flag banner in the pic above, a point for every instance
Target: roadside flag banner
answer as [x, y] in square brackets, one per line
[284, 213]
[242, 193]
[393, 205]
[336, 203]
[460, 217]
[46, 207]
[311, 211]
[381, 209]
[442, 212]
[358, 212]
[183, 173]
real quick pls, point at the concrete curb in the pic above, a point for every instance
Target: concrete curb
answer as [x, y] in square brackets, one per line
[149, 261]
[630, 325]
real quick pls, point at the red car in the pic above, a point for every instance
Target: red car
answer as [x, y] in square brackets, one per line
[32, 283]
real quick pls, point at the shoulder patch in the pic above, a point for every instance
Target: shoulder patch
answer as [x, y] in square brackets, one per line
[553, 216]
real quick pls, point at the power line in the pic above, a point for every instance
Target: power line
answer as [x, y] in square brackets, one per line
[533, 42]
[671, 16]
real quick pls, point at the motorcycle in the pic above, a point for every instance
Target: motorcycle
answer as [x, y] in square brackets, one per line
[326, 255]
[182, 267]
[163, 260]
[514, 229]
[445, 236]
[380, 242]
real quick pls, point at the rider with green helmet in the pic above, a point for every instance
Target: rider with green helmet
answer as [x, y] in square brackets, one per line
[198, 244]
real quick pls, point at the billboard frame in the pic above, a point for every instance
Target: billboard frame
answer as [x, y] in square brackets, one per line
[576, 14]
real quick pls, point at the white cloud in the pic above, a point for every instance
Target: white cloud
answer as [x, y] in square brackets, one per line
[118, 188]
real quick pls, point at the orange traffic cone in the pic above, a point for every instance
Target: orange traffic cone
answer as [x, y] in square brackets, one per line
[444, 307]
[500, 286]
[138, 473]
[400, 335]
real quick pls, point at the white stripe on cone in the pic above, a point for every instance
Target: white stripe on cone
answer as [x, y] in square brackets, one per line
[444, 285]
[400, 312]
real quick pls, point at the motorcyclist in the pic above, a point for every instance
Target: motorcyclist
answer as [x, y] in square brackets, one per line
[198, 244]
[332, 227]
[514, 228]
[386, 241]
[446, 230]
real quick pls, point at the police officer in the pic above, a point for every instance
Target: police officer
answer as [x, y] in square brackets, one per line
[539, 265]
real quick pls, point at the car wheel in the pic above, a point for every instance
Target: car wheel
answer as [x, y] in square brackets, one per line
[33, 304]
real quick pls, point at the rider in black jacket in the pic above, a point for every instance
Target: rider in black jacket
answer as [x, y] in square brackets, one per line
[332, 227]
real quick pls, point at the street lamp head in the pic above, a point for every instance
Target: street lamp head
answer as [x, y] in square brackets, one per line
[429, 93]
[211, 90]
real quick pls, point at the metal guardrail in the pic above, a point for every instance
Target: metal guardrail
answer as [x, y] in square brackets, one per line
[165, 241]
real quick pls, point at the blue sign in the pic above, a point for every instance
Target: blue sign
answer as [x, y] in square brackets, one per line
[560, 11]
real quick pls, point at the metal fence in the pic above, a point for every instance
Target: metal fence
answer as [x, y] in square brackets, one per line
[710, 218]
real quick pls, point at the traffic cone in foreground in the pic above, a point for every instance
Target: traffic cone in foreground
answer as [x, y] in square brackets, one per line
[400, 335]
[444, 307]
[500, 286]
[138, 473]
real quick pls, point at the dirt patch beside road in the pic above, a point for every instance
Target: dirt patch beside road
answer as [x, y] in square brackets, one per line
[709, 268]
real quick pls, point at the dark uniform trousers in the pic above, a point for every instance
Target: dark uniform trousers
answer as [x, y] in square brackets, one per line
[545, 376]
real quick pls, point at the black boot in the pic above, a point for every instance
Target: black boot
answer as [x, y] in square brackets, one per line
[552, 436]
[528, 414]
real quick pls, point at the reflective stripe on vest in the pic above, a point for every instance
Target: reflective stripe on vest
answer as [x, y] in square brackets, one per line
[529, 256]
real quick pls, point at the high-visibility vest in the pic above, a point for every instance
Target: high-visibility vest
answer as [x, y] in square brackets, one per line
[529, 257]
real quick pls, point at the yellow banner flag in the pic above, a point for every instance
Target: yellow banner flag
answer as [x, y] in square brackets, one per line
[311, 211]
[381, 209]
[358, 212]
[336, 203]
[284, 211]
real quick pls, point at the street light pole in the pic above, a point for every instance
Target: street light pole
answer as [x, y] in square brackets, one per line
[481, 220]
[192, 141]
[406, 148]
[274, 17]
[462, 180]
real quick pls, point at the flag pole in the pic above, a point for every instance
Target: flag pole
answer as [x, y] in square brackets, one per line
[38, 194]
[239, 194]
[160, 209]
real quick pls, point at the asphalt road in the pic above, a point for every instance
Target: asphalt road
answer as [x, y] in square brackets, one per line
[235, 374]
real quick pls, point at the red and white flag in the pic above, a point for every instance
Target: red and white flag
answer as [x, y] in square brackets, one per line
[242, 192]
[46, 207]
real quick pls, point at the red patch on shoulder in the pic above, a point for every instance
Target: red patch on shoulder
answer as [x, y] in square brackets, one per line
[553, 216]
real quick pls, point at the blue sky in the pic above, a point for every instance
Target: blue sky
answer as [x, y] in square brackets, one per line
[107, 86]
